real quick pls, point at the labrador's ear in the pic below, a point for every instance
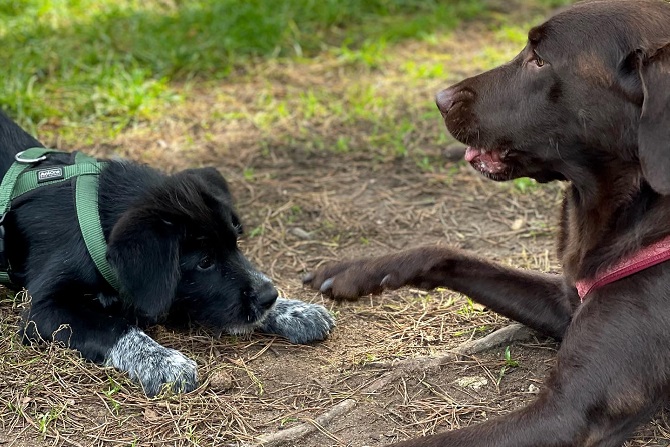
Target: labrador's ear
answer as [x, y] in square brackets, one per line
[654, 130]
[143, 250]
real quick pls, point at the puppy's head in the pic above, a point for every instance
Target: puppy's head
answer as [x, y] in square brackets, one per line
[175, 254]
[589, 90]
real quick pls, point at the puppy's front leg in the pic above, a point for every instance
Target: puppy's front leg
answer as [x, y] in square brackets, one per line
[151, 364]
[110, 341]
[298, 321]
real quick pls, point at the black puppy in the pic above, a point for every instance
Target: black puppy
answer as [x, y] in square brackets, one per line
[172, 247]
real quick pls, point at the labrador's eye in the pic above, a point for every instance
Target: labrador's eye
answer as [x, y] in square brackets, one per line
[206, 263]
[538, 60]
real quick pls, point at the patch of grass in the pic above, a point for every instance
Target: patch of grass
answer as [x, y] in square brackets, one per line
[470, 308]
[509, 363]
[191, 435]
[342, 145]
[287, 420]
[82, 61]
[366, 358]
[255, 232]
[83, 71]
[46, 420]
[248, 174]
[525, 184]
[423, 70]
[425, 164]
[112, 390]
[555, 3]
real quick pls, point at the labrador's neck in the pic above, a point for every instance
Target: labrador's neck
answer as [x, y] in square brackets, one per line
[618, 215]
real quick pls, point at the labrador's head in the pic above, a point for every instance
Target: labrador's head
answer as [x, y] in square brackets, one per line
[590, 89]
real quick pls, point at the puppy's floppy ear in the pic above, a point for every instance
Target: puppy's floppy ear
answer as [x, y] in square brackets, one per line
[218, 187]
[143, 249]
[654, 130]
[214, 179]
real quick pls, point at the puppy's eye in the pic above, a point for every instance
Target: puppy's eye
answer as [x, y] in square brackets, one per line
[206, 263]
[538, 60]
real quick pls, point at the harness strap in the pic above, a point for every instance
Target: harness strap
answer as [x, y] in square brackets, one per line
[19, 180]
[26, 182]
[86, 201]
[6, 190]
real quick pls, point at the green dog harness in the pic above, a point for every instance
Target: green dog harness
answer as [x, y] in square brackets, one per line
[24, 176]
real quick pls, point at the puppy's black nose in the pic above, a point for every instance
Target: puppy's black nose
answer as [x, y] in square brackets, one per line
[445, 100]
[266, 294]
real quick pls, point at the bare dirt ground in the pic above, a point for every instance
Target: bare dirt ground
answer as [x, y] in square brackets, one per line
[301, 208]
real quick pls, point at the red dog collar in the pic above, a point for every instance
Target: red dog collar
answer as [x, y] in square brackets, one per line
[647, 257]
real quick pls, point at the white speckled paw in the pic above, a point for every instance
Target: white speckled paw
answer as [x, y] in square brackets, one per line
[153, 365]
[298, 321]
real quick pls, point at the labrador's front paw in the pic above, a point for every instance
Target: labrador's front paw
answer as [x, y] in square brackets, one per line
[298, 321]
[422, 267]
[152, 365]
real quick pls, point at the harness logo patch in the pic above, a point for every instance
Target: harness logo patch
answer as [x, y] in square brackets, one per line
[45, 175]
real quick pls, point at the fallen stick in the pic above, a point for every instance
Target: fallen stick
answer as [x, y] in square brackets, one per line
[306, 428]
[512, 333]
[508, 334]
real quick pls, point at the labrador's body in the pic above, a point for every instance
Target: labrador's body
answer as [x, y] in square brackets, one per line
[587, 101]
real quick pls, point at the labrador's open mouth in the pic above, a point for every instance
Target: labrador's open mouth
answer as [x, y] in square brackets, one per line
[490, 162]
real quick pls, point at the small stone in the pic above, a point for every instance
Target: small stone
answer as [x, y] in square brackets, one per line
[221, 380]
[300, 233]
[533, 389]
[454, 152]
[150, 415]
[518, 224]
[472, 382]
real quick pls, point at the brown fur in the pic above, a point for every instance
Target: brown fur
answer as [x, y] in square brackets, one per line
[587, 101]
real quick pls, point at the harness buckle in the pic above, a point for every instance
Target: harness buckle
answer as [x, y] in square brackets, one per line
[18, 157]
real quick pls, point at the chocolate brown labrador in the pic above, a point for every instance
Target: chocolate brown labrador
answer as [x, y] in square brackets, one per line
[587, 101]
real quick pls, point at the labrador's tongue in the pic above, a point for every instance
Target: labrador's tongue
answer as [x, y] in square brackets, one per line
[471, 153]
[490, 157]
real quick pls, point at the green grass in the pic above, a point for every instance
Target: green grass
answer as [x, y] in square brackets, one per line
[116, 60]
[81, 70]
[509, 363]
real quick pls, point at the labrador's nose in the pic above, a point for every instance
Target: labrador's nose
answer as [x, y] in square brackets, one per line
[445, 100]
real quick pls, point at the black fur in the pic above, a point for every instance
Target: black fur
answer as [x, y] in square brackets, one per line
[172, 242]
